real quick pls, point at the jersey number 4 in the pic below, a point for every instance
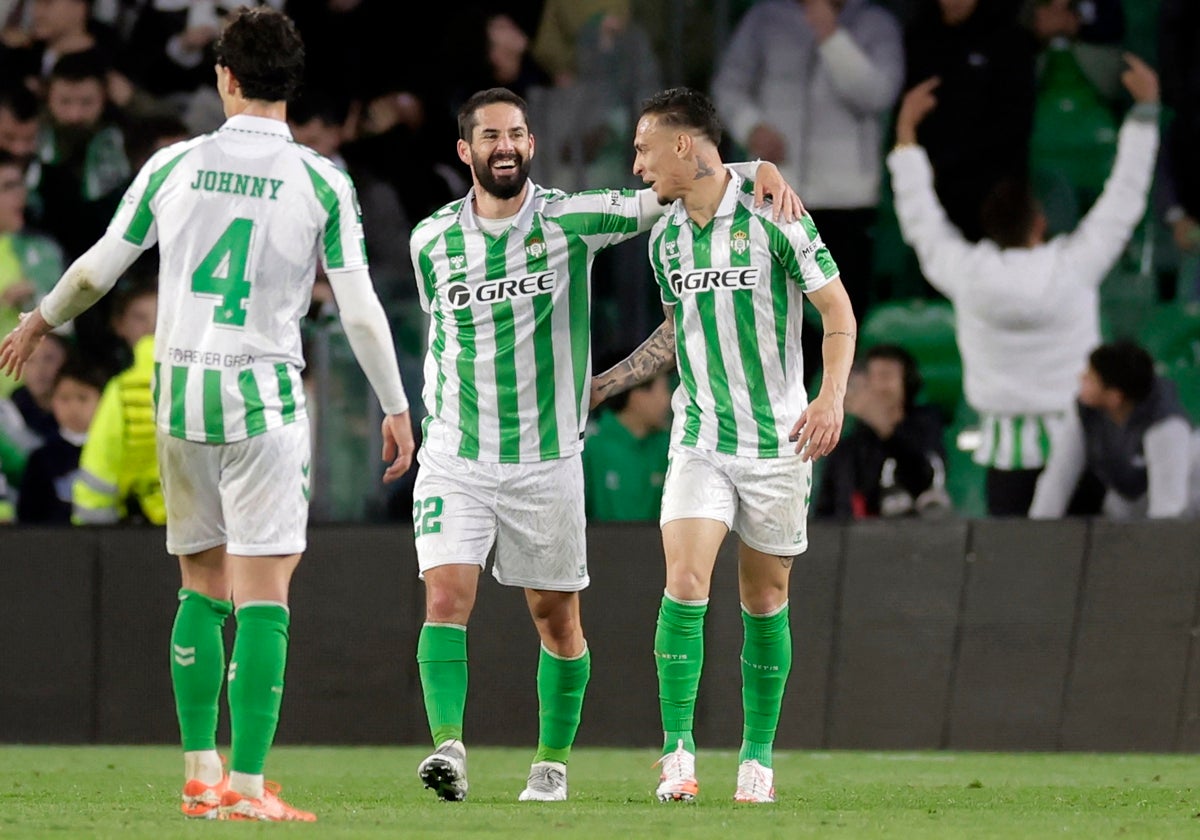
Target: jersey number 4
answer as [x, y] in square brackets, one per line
[222, 274]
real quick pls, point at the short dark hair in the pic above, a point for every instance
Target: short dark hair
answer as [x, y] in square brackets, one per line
[264, 51]
[1009, 211]
[80, 67]
[480, 99]
[78, 368]
[135, 286]
[912, 374]
[686, 108]
[20, 101]
[1126, 366]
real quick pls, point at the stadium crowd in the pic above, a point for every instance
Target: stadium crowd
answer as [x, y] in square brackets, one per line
[1019, 134]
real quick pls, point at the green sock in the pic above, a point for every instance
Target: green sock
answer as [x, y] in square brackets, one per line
[198, 667]
[766, 661]
[679, 655]
[560, 685]
[442, 661]
[256, 683]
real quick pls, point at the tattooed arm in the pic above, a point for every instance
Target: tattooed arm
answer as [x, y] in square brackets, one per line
[655, 355]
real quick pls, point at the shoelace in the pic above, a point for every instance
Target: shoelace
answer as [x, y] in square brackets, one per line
[547, 779]
[673, 763]
[758, 785]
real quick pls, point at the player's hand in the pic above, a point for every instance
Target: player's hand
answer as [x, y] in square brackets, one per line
[19, 344]
[398, 446]
[1140, 80]
[768, 181]
[819, 428]
[915, 107]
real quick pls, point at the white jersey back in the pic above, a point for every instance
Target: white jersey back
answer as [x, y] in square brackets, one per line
[737, 289]
[240, 216]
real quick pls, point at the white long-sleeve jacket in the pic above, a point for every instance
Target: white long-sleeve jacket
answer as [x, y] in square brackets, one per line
[1026, 318]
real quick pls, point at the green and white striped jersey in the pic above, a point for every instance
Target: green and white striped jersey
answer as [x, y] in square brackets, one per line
[509, 363]
[736, 287]
[240, 216]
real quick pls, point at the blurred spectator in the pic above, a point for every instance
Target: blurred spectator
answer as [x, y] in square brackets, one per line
[498, 56]
[318, 120]
[26, 418]
[893, 462]
[19, 123]
[82, 152]
[30, 263]
[170, 43]
[45, 494]
[58, 28]
[625, 455]
[1079, 101]
[981, 130]
[603, 66]
[118, 477]
[806, 84]
[1131, 431]
[135, 314]
[1026, 309]
[1179, 58]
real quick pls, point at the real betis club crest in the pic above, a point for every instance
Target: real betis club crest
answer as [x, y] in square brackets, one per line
[741, 242]
[535, 249]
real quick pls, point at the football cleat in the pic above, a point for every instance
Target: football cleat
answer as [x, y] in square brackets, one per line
[201, 801]
[445, 771]
[677, 781]
[547, 783]
[755, 783]
[266, 808]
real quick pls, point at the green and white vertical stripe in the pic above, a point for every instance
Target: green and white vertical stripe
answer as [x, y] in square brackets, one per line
[212, 405]
[506, 375]
[738, 349]
[243, 217]
[1016, 441]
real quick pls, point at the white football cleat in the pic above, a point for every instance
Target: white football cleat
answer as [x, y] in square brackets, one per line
[445, 771]
[547, 783]
[755, 783]
[677, 782]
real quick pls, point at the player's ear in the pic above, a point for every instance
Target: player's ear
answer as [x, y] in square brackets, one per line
[683, 144]
[532, 144]
[464, 152]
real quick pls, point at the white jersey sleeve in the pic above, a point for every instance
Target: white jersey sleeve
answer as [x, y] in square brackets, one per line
[342, 243]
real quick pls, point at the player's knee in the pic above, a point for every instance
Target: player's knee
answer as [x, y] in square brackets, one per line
[763, 597]
[686, 584]
[447, 605]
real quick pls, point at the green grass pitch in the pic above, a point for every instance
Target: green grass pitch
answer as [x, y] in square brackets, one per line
[132, 792]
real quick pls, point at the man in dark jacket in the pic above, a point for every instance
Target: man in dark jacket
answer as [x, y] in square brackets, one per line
[893, 462]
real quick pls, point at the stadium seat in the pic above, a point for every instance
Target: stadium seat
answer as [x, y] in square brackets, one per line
[1171, 334]
[1074, 128]
[925, 328]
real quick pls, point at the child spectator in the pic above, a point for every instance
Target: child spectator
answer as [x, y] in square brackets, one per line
[46, 486]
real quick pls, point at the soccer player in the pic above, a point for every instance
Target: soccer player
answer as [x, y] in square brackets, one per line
[241, 217]
[505, 276]
[744, 436]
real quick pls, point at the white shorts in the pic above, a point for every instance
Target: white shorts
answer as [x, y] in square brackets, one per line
[251, 496]
[532, 512]
[765, 500]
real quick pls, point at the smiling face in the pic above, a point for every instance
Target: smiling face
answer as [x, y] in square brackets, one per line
[500, 153]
